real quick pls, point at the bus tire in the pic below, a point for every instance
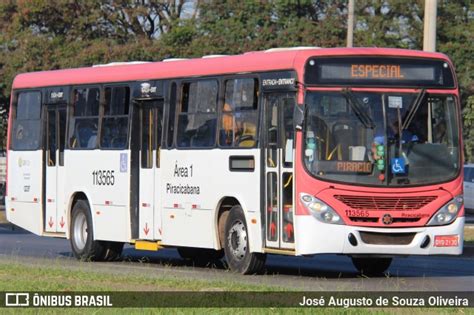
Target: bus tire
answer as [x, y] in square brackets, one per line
[82, 235]
[236, 245]
[371, 266]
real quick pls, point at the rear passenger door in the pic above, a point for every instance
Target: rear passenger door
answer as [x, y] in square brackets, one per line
[55, 210]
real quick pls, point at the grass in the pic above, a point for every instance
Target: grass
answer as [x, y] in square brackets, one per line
[469, 235]
[15, 276]
[243, 311]
[18, 276]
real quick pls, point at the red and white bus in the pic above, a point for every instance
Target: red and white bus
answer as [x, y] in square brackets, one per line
[296, 151]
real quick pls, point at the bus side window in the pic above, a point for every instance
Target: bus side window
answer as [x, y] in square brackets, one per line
[84, 122]
[148, 121]
[289, 132]
[115, 121]
[26, 121]
[62, 135]
[171, 115]
[238, 124]
[198, 116]
[51, 144]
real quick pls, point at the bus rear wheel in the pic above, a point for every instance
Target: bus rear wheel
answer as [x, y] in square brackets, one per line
[236, 245]
[83, 245]
[371, 266]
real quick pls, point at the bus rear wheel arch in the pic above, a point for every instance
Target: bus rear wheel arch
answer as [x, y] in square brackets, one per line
[81, 233]
[236, 245]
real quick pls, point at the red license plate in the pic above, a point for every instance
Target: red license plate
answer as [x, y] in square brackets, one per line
[446, 240]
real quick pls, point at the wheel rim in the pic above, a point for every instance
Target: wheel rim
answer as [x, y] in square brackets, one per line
[80, 231]
[237, 240]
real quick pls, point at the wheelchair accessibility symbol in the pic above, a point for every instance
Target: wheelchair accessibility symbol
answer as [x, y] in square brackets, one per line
[398, 165]
[123, 163]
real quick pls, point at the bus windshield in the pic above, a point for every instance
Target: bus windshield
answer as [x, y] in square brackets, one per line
[381, 139]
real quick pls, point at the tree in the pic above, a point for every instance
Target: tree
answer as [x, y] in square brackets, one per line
[3, 119]
[468, 114]
[395, 23]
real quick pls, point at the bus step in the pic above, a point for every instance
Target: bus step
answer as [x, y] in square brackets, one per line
[147, 245]
[278, 251]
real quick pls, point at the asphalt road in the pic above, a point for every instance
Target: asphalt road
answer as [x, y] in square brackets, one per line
[322, 272]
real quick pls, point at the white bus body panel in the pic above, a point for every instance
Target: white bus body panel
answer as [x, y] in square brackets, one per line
[314, 237]
[194, 182]
[109, 203]
[25, 184]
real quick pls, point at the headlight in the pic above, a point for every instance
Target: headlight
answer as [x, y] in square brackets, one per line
[448, 212]
[320, 210]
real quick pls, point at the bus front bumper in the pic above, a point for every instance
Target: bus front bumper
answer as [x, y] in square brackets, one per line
[313, 237]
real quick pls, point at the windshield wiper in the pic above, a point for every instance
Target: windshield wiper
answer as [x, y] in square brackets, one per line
[357, 108]
[414, 108]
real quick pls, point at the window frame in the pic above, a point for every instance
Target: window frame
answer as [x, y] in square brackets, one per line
[156, 141]
[179, 105]
[168, 105]
[16, 97]
[102, 114]
[71, 111]
[258, 111]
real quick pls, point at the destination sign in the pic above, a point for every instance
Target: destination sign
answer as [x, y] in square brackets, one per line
[358, 167]
[379, 71]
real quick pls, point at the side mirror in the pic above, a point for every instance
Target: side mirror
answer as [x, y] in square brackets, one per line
[298, 117]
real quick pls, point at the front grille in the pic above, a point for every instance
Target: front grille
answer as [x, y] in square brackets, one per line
[385, 203]
[375, 220]
[386, 238]
[364, 219]
[405, 220]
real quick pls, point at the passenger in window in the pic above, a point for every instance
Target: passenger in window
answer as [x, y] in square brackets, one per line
[228, 124]
[237, 126]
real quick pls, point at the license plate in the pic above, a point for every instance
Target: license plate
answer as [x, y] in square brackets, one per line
[446, 240]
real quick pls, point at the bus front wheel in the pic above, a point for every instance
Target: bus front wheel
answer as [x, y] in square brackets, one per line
[83, 245]
[371, 266]
[236, 245]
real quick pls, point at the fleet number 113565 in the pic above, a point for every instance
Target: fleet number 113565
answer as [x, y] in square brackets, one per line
[103, 178]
